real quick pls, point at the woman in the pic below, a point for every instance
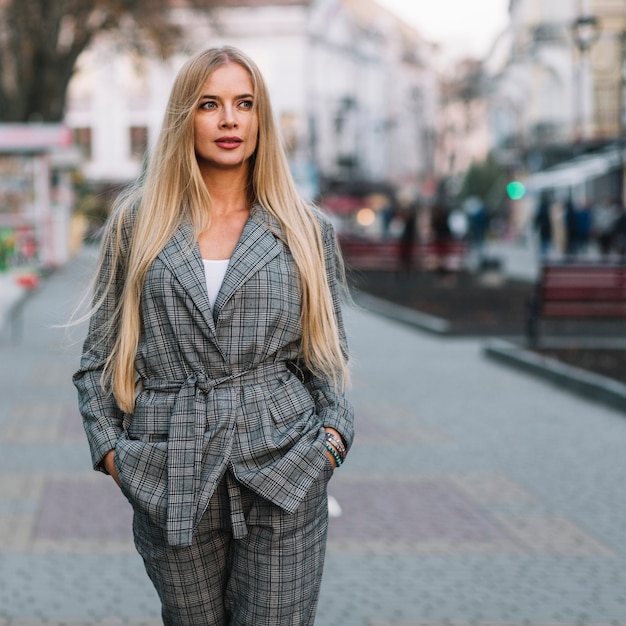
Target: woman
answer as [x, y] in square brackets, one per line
[211, 380]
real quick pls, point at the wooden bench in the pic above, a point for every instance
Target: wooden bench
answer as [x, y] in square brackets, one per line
[576, 291]
[387, 254]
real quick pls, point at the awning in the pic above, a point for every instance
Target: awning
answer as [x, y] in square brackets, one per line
[576, 171]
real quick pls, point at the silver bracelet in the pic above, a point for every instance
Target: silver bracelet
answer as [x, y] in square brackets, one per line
[337, 444]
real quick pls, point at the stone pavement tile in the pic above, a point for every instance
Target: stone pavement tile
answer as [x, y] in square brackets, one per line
[460, 622]
[431, 509]
[33, 423]
[81, 508]
[42, 422]
[450, 515]
[49, 375]
[472, 589]
[69, 513]
[79, 622]
[16, 530]
[492, 489]
[387, 424]
[76, 588]
[552, 534]
[19, 487]
[71, 426]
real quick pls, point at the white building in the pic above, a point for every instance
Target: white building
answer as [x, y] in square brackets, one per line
[464, 135]
[534, 98]
[557, 96]
[353, 90]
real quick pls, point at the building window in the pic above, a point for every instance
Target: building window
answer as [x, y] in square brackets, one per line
[138, 142]
[82, 139]
[547, 33]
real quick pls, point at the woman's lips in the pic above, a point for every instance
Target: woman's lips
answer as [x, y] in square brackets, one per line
[228, 143]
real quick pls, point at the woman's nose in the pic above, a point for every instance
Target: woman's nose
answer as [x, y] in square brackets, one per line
[228, 118]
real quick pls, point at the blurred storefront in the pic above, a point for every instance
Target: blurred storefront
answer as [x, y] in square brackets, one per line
[36, 195]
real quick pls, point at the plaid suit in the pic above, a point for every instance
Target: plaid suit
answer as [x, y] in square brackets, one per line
[217, 393]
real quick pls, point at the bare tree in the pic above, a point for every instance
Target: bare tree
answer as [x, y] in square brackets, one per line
[40, 41]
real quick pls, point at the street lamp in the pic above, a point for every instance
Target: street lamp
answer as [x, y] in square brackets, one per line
[585, 32]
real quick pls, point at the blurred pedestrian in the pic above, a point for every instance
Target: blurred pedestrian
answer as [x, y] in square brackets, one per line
[408, 236]
[572, 235]
[584, 227]
[602, 225]
[619, 234]
[543, 224]
[440, 222]
[442, 234]
[478, 226]
[211, 380]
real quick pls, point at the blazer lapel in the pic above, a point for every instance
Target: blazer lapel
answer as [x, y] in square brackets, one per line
[182, 255]
[256, 247]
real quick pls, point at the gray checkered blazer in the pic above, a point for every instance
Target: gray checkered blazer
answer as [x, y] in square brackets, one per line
[215, 389]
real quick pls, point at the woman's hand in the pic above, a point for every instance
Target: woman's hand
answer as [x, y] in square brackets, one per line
[109, 465]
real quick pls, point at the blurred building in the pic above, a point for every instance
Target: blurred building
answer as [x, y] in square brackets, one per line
[354, 91]
[463, 135]
[557, 97]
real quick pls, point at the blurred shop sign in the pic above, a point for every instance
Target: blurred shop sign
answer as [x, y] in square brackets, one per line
[34, 137]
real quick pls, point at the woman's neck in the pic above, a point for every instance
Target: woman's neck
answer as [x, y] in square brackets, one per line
[228, 190]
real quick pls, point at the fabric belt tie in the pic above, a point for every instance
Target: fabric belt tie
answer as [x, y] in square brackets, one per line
[185, 445]
[235, 502]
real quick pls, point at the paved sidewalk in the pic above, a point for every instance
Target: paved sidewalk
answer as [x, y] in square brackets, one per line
[473, 495]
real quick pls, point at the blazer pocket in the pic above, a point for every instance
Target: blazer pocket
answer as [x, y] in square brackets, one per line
[291, 406]
[142, 469]
[150, 422]
[149, 438]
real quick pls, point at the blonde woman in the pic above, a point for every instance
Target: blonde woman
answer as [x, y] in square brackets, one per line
[211, 382]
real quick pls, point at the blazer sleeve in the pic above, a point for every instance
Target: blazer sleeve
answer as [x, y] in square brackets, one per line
[102, 418]
[332, 406]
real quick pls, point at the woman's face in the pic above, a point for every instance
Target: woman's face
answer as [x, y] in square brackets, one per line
[226, 125]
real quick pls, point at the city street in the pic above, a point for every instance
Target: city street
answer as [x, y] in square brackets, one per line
[474, 494]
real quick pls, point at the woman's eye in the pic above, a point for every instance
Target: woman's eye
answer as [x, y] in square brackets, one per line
[246, 104]
[208, 105]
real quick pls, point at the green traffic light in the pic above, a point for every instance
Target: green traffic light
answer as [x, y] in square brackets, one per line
[516, 190]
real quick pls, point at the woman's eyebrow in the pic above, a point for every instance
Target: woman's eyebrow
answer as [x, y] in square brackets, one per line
[210, 97]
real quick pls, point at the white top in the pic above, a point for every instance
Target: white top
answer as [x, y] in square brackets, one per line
[214, 272]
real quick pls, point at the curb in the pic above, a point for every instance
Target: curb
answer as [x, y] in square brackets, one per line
[586, 384]
[581, 382]
[399, 313]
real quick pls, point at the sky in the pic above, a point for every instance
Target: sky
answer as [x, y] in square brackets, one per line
[462, 27]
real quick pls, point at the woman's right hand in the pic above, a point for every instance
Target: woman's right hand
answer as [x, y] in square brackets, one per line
[109, 465]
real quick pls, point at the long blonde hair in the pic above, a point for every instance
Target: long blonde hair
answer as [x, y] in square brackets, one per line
[172, 190]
